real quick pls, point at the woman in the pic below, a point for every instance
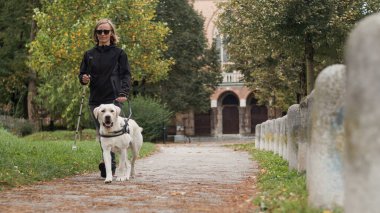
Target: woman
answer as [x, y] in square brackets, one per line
[106, 68]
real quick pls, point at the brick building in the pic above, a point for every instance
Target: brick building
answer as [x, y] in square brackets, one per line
[233, 109]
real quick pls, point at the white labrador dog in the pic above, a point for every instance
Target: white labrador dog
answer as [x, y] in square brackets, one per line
[113, 138]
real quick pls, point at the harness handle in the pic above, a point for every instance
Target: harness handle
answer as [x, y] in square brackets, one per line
[121, 108]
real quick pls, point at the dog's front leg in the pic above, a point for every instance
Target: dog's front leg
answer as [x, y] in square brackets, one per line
[123, 169]
[128, 166]
[107, 162]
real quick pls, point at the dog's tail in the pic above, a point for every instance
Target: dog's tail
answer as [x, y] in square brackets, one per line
[136, 128]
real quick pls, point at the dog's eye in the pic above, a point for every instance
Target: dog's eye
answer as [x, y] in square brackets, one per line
[103, 110]
[112, 110]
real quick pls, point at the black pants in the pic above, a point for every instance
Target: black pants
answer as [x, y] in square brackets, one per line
[97, 126]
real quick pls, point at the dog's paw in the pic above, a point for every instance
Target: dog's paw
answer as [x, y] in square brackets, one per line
[108, 180]
[123, 178]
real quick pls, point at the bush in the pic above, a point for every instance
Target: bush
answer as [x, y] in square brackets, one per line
[150, 114]
[17, 126]
[26, 128]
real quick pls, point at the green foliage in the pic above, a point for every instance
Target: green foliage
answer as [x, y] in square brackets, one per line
[281, 45]
[65, 33]
[195, 74]
[151, 115]
[25, 162]
[15, 25]
[281, 190]
[17, 126]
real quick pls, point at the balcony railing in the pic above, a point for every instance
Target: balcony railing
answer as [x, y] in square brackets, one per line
[232, 78]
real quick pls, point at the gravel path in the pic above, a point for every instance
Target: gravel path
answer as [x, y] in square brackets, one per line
[197, 177]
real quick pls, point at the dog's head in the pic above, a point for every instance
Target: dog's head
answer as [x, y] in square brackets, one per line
[107, 114]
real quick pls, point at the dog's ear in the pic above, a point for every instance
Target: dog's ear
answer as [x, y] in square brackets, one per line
[96, 112]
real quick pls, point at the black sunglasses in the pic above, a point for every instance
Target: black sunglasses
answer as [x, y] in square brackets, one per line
[99, 32]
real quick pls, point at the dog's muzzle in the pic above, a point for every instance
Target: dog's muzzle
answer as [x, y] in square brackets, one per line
[107, 122]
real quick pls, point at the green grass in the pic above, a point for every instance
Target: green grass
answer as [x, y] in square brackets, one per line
[280, 189]
[87, 134]
[28, 160]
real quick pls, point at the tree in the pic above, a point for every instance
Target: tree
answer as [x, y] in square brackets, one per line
[288, 40]
[16, 30]
[65, 33]
[195, 74]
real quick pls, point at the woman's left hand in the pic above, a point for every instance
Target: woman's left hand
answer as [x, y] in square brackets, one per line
[121, 99]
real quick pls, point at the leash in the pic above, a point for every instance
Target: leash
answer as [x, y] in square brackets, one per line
[121, 108]
[125, 128]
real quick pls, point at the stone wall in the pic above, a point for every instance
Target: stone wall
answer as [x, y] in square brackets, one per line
[334, 134]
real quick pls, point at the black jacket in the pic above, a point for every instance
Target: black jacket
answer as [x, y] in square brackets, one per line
[110, 74]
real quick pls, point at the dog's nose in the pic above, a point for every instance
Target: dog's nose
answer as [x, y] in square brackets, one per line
[107, 119]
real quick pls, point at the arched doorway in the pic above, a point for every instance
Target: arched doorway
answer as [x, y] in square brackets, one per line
[259, 114]
[230, 114]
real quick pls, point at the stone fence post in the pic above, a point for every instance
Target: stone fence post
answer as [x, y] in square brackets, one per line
[293, 135]
[271, 135]
[276, 143]
[362, 150]
[325, 157]
[284, 148]
[262, 135]
[257, 136]
[305, 135]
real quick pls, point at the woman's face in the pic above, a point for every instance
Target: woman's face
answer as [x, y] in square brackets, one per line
[103, 32]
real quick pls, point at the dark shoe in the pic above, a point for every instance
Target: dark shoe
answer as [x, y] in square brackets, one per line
[102, 168]
[113, 169]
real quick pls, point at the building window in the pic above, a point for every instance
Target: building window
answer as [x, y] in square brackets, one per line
[221, 44]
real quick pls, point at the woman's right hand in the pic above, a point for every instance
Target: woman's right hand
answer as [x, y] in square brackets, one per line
[86, 78]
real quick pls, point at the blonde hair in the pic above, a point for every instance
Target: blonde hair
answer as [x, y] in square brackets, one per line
[114, 37]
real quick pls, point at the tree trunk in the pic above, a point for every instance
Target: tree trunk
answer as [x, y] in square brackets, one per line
[32, 92]
[302, 79]
[32, 87]
[309, 57]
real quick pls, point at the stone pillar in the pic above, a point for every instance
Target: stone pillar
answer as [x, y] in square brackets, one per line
[267, 135]
[247, 121]
[293, 135]
[280, 136]
[271, 135]
[305, 136]
[325, 160]
[285, 138]
[257, 136]
[241, 120]
[262, 135]
[214, 113]
[219, 121]
[276, 143]
[362, 150]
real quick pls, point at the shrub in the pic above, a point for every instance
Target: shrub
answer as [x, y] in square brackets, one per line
[25, 128]
[150, 114]
[17, 126]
